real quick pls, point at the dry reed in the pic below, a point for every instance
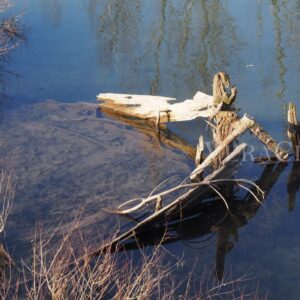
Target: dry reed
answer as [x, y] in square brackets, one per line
[57, 271]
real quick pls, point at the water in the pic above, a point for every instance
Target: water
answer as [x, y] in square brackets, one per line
[65, 160]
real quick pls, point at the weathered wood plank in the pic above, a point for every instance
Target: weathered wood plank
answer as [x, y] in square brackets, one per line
[168, 109]
[267, 140]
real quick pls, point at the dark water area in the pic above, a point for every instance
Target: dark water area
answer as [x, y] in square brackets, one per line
[68, 159]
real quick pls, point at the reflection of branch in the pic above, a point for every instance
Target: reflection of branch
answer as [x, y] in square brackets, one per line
[53, 10]
[165, 136]
[270, 176]
[205, 217]
[259, 17]
[293, 184]
[240, 217]
[280, 54]
[156, 80]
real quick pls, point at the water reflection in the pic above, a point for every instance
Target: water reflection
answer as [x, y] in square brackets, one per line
[186, 42]
[52, 9]
[163, 47]
[12, 34]
[293, 184]
[209, 221]
[163, 136]
[280, 53]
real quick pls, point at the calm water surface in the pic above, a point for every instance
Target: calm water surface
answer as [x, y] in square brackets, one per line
[61, 150]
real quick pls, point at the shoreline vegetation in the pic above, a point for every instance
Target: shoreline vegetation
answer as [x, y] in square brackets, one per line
[11, 37]
[57, 271]
[11, 29]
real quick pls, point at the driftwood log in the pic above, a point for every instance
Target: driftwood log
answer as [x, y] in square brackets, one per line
[224, 117]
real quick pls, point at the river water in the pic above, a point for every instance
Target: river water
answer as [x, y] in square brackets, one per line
[69, 159]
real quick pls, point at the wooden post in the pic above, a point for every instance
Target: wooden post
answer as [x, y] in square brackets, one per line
[225, 121]
[293, 185]
[293, 131]
[226, 117]
[200, 151]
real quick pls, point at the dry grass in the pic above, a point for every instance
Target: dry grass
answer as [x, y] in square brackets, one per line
[58, 272]
[7, 191]
[11, 30]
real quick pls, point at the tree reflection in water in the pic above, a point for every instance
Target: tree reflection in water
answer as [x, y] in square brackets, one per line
[187, 41]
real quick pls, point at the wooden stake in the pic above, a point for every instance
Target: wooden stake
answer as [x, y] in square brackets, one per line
[293, 131]
[200, 151]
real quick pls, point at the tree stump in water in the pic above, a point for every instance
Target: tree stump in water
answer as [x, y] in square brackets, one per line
[226, 117]
[294, 130]
[225, 121]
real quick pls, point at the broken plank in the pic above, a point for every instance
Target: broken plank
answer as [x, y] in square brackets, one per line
[268, 141]
[168, 109]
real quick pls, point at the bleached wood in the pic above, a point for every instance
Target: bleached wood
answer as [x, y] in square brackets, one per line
[200, 151]
[239, 128]
[169, 109]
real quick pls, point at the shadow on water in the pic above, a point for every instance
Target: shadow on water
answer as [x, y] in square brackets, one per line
[161, 137]
[209, 222]
[293, 184]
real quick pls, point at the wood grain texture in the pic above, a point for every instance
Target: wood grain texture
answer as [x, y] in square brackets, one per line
[150, 107]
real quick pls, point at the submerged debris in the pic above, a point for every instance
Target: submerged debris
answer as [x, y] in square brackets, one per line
[224, 160]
